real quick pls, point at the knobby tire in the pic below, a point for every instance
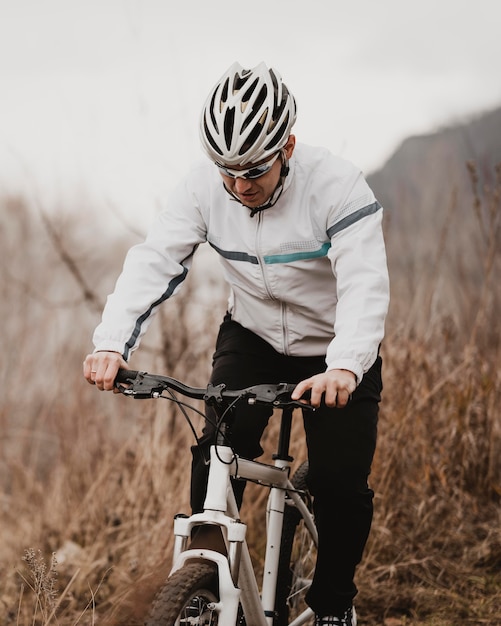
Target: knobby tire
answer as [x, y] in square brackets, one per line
[186, 596]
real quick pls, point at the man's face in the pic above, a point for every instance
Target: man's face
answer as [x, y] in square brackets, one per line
[254, 192]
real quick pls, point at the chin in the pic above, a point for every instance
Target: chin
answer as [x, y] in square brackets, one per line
[252, 204]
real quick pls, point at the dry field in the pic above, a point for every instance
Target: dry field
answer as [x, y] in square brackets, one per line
[90, 482]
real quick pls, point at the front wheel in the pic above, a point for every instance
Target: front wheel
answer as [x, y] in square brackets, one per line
[187, 598]
[298, 555]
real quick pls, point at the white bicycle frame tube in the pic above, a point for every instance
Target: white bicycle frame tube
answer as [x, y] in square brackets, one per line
[220, 509]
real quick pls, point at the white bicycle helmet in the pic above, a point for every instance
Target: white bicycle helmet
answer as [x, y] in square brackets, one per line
[247, 117]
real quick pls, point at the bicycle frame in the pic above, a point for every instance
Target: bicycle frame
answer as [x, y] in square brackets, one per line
[237, 581]
[236, 578]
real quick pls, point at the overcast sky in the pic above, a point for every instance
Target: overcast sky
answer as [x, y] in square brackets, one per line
[102, 97]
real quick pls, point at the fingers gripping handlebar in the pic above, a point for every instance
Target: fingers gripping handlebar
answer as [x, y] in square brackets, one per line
[142, 385]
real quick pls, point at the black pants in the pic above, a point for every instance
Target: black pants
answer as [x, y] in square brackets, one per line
[341, 445]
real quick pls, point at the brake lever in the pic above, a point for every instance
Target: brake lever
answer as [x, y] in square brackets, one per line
[280, 399]
[290, 404]
[297, 404]
[141, 388]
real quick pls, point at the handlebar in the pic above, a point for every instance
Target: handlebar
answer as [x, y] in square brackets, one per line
[141, 385]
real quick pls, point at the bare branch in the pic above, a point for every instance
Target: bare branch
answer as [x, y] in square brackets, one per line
[89, 295]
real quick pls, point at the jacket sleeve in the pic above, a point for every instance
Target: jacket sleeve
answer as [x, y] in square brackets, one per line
[358, 259]
[153, 271]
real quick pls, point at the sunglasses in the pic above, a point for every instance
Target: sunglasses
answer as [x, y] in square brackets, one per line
[251, 172]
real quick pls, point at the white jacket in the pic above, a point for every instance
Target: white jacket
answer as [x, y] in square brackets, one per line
[308, 274]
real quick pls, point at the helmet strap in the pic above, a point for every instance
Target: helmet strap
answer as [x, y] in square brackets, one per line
[285, 168]
[273, 200]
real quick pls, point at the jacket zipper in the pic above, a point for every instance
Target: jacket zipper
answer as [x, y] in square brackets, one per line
[260, 256]
[262, 264]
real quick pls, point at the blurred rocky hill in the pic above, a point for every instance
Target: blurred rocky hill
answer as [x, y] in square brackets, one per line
[428, 174]
[436, 162]
[442, 197]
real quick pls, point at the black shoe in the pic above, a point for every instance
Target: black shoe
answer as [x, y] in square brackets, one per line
[349, 618]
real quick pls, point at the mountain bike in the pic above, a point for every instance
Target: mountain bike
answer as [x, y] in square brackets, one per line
[220, 587]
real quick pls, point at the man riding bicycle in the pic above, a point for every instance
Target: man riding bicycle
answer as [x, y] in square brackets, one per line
[299, 235]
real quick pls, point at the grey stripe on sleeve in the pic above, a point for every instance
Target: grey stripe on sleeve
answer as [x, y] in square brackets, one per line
[140, 320]
[353, 217]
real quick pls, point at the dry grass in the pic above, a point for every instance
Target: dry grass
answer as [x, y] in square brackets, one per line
[90, 481]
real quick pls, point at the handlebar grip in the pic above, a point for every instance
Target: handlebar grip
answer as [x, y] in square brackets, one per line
[126, 376]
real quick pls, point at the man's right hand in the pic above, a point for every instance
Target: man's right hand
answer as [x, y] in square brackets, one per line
[101, 368]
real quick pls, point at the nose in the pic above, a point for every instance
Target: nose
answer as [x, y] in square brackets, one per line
[242, 184]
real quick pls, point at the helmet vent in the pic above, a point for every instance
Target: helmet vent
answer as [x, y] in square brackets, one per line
[224, 94]
[256, 108]
[212, 116]
[229, 123]
[247, 96]
[254, 134]
[279, 107]
[210, 139]
[239, 82]
[278, 135]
